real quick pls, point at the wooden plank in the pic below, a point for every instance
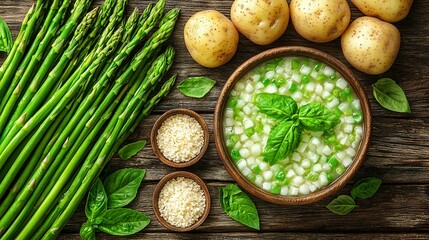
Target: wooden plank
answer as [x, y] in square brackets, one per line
[394, 208]
[267, 236]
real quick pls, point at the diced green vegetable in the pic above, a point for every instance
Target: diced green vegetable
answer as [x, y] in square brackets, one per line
[293, 88]
[235, 154]
[280, 176]
[333, 161]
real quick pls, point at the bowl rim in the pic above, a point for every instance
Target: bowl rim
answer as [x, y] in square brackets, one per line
[157, 125]
[283, 52]
[158, 189]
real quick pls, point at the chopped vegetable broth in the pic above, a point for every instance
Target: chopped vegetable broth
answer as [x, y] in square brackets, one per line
[321, 156]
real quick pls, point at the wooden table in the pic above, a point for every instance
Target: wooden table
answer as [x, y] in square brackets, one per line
[398, 154]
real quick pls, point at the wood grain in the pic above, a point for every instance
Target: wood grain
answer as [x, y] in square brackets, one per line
[398, 154]
[407, 208]
[267, 236]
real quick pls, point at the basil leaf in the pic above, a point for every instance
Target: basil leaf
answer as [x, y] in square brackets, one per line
[87, 231]
[390, 95]
[239, 206]
[123, 222]
[6, 40]
[282, 141]
[342, 205]
[317, 117]
[129, 150]
[122, 185]
[196, 87]
[96, 203]
[278, 107]
[366, 188]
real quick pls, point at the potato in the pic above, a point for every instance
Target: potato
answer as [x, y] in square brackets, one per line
[321, 20]
[370, 44]
[390, 11]
[211, 38]
[261, 21]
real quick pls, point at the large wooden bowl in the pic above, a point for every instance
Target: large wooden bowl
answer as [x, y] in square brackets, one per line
[219, 117]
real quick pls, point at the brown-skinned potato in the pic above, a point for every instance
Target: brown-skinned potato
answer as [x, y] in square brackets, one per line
[211, 38]
[370, 44]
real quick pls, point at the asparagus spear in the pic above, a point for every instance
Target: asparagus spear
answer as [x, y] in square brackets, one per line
[26, 32]
[57, 48]
[15, 46]
[34, 46]
[99, 86]
[104, 14]
[83, 109]
[80, 32]
[18, 50]
[108, 140]
[57, 102]
[35, 159]
[70, 90]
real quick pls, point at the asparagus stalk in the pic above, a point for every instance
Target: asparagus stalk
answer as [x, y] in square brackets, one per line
[57, 102]
[102, 20]
[108, 140]
[18, 50]
[35, 159]
[81, 31]
[57, 48]
[15, 46]
[83, 109]
[34, 46]
[11, 206]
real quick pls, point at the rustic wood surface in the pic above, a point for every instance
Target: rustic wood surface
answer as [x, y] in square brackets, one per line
[398, 154]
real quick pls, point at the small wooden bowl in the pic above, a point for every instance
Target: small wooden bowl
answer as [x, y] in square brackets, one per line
[158, 189]
[254, 62]
[158, 124]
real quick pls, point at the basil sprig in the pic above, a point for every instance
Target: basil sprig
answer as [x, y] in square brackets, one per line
[238, 206]
[390, 95]
[285, 137]
[196, 87]
[104, 202]
[6, 40]
[364, 188]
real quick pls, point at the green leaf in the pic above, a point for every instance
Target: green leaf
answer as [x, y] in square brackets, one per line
[366, 188]
[122, 185]
[129, 150]
[123, 222]
[239, 206]
[282, 141]
[317, 117]
[87, 231]
[196, 87]
[342, 205]
[96, 203]
[278, 107]
[390, 95]
[6, 40]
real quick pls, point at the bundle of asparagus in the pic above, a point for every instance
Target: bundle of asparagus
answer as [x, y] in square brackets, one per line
[74, 86]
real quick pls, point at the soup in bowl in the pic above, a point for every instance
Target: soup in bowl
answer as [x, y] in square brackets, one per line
[292, 125]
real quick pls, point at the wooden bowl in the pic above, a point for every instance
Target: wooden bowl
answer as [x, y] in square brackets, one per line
[158, 124]
[219, 116]
[158, 189]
